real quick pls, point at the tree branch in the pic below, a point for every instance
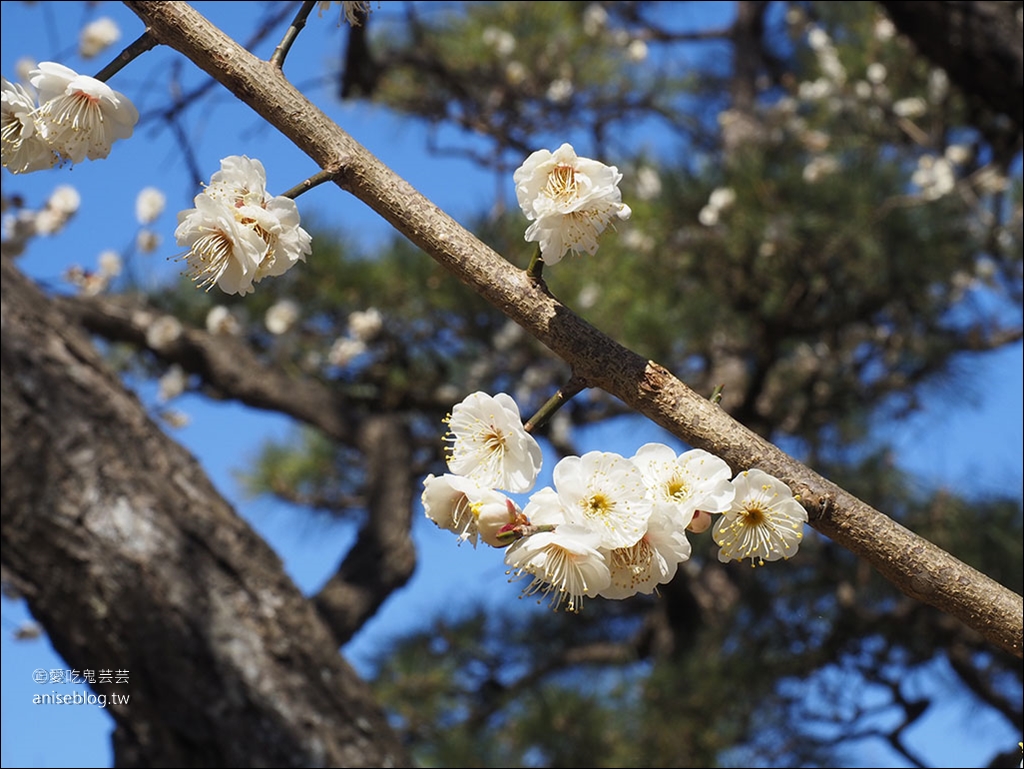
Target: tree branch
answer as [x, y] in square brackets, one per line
[916, 566]
[224, 362]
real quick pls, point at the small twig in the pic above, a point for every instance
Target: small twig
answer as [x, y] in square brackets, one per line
[536, 265]
[314, 181]
[292, 32]
[716, 394]
[573, 387]
[145, 42]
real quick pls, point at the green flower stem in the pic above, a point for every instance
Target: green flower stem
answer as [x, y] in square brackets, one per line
[536, 265]
[573, 387]
[518, 532]
[293, 32]
[145, 42]
[314, 181]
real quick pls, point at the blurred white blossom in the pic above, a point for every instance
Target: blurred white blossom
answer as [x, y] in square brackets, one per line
[911, 107]
[721, 199]
[97, 36]
[560, 90]
[503, 43]
[648, 183]
[820, 167]
[595, 18]
[884, 29]
[344, 350]
[934, 176]
[147, 241]
[364, 325]
[636, 51]
[172, 383]
[110, 263]
[281, 316]
[149, 204]
[220, 320]
[163, 331]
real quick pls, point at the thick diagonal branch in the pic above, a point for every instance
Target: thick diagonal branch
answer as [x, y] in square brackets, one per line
[916, 566]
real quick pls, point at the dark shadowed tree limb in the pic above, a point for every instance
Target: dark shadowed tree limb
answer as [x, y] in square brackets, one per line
[979, 45]
[916, 566]
[383, 557]
[131, 560]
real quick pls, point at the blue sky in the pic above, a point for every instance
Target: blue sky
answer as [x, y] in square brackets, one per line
[969, 438]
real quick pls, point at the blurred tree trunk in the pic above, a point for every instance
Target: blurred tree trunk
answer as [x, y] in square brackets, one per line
[978, 44]
[133, 562]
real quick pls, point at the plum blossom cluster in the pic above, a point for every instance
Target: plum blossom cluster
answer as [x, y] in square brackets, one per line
[569, 200]
[610, 526]
[70, 117]
[238, 234]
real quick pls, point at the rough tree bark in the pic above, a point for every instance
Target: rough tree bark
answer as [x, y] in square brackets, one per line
[131, 560]
[978, 44]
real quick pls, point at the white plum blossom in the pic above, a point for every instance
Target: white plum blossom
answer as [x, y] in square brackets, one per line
[564, 565]
[80, 116]
[681, 485]
[468, 509]
[222, 251]
[23, 146]
[97, 36]
[149, 204]
[651, 561]
[569, 199]
[238, 233]
[241, 181]
[604, 493]
[764, 523]
[490, 445]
